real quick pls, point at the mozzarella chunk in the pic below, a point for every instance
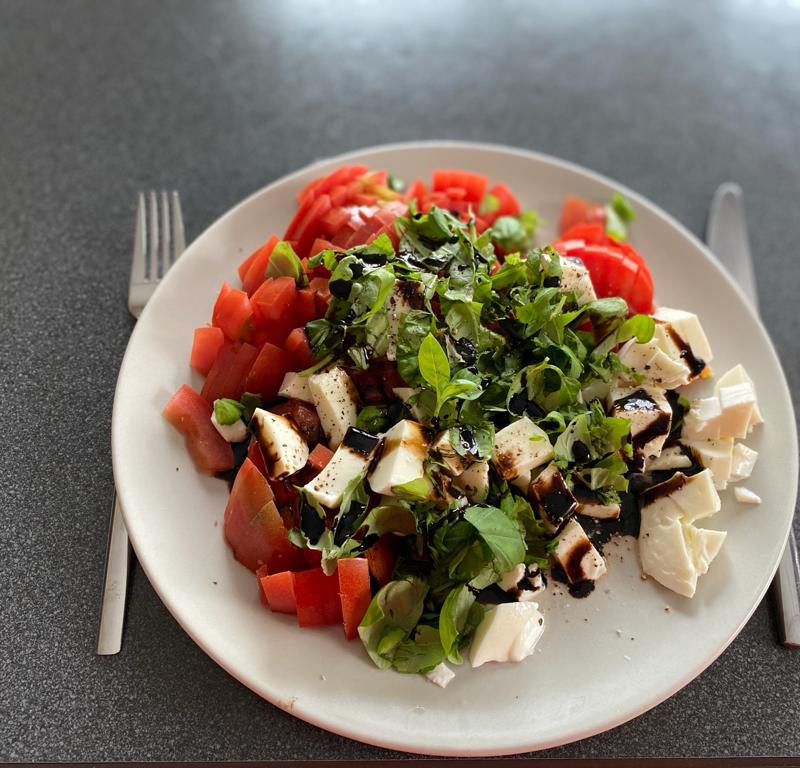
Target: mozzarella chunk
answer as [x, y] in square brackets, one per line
[589, 504]
[406, 394]
[659, 361]
[510, 579]
[441, 675]
[405, 295]
[233, 433]
[285, 451]
[702, 420]
[454, 463]
[296, 387]
[687, 326]
[715, 455]
[738, 375]
[673, 551]
[405, 447]
[522, 481]
[552, 497]
[474, 481]
[351, 459]
[746, 496]
[670, 458]
[520, 447]
[595, 390]
[508, 632]
[728, 414]
[577, 555]
[575, 277]
[650, 416]
[744, 461]
[335, 397]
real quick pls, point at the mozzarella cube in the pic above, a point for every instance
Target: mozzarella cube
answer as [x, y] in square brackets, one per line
[350, 460]
[474, 481]
[575, 278]
[650, 416]
[522, 481]
[589, 504]
[577, 555]
[335, 397]
[510, 579]
[738, 375]
[296, 387]
[233, 433]
[715, 455]
[744, 461]
[702, 421]
[508, 632]
[687, 326]
[670, 458]
[595, 390]
[406, 295]
[659, 361]
[284, 449]
[520, 447]
[405, 447]
[454, 463]
[551, 496]
[737, 402]
[746, 496]
[441, 675]
[673, 551]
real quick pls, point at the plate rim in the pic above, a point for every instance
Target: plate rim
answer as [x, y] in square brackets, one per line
[308, 715]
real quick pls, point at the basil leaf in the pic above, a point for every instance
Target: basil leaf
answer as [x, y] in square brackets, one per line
[249, 402]
[500, 534]
[464, 321]
[641, 326]
[283, 261]
[433, 363]
[420, 653]
[227, 411]
[489, 204]
[619, 213]
[453, 619]
[373, 418]
[414, 326]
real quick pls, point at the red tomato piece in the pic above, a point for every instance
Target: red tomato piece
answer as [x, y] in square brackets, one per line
[333, 221]
[278, 592]
[614, 274]
[304, 415]
[456, 193]
[241, 270]
[305, 306]
[274, 299]
[227, 375]
[285, 494]
[341, 175]
[338, 195]
[253, 526]
[382, 556]
[261, 573]
[206, 345]
[578, 210]
[255, 455]
[317, 597]
[591, 232]
[473, 184]
[267, 372]
[310, 226]
[364, 198]
[508, 203]
[233, 313]
[416, 191]
[313, 557]
[299, 349]
[354, 593]
[190, 414]
[319, 457]
[256, 272]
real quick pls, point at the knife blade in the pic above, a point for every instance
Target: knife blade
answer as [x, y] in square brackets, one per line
[726, 235]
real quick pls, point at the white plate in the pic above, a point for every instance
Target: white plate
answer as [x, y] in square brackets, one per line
[602, 660]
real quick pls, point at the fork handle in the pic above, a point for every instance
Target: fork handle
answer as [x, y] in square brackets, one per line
[115, 586]
[786, 584]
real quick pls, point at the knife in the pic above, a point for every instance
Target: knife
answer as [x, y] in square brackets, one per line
[726, 235]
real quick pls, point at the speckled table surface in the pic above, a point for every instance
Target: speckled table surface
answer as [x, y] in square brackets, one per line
[100, 99]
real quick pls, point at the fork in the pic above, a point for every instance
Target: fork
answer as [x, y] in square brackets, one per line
[159, 239]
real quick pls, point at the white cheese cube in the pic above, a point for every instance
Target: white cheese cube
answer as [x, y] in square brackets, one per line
[474, 481]
[405, 447]
[510, 579]
[233, 433]
[702, 421]
[441, 675]
[687, 326]
[522, 481]
[577, 555]
[716, 455]
[659, 361]
[336, 400]
[508, 632]
[296, 387]
[595, 390]
[284, 449]
[738, 375]
[589, 504]
[746, 496]
[350, 460]
[744, 461]
[519, 447]
[670, 458]
[673, 551]
[405, 295]
[454, 464]
[551, 496]
[737, 402]
[575, 278]
[650, 416]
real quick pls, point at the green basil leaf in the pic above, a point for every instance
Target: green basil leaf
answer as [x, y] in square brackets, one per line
[420, 653]
[283, 261]
[227, 411]
[373, 418]
[414, 326]
[501, 535]
[249, 402]
[433, 363]
[641, 326]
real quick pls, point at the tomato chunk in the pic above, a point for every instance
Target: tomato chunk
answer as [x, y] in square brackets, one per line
[256, 271]
[253, 526]
[382, 556]
[317, 597]
[278, 591]
[267, 372]
[273, 300]
[319, 457]
[299, 349]
[508, 204]
[354, 593]
[578, 210]
[261, 572]
[304, 415]
[256, 456]
[227, 375]
[232, 313]
[472, 183]
[206, 345]
[190, 414]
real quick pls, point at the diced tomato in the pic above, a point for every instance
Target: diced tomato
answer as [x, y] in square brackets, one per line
[232, 313]
[313, 557]
[256, 456]
[273, 331]
[338, 195]
[591, 232]
[304, 415]
[416, 191]
[317, 597]
[274, 299]
[578, 210]
[227, 375]
[278, 591]
[354, 593]
[309, 226]
[267, 372]
[323, 294]
[364, 198]
[508, 204]
[339, 176]
[299, 350]
[241, 270]
[614, 274]
[256, 272]
[305, 305]
[253, 526]
[473, 184]
[456, 193]
[285, 493]
[206, 345]
[382, 556]
[190, 414]
[319, 457]
[320, 244]
[261, 573]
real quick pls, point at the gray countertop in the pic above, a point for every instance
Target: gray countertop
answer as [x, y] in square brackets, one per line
[101, 99]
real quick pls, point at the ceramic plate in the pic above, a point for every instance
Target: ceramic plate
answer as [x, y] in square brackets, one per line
[603, 660]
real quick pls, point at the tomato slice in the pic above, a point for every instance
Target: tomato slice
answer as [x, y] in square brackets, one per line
[317, 597]
[190, 414]
[592, 233]
[473, 184]
[256, 272]
[416, 191]
[311, 226]
[579, 210]
[319, 457]
[206, 345]
[260, 574]
[272, 301]
[232, 313]
[382, 556]
[354, 593]
[299, 350]
[267, 372]
[278, 591]
[227, 375]
[509, 205]
[255, 455]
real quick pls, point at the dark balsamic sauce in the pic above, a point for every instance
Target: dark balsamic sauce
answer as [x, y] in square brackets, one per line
[360, 442]
[600, 532]
[579, 589]
[696, 364]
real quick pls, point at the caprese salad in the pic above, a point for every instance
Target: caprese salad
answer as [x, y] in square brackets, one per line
[424, 416]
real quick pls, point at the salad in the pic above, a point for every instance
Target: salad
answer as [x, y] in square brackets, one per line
[424, 415]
